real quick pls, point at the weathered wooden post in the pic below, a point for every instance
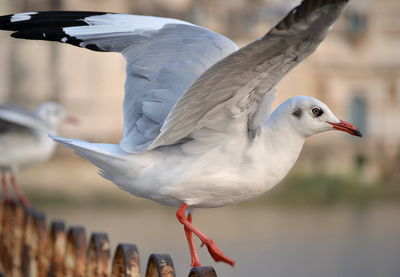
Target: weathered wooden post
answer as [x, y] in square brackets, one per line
[7, 236]
[75, 260]
[126, 261]
[205, 271]
[28, 249]
[34, 260]
[56, 249]
[19, 233]
[160, 265]
[98, 256]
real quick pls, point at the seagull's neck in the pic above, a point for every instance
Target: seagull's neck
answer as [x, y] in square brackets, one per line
[282, 143]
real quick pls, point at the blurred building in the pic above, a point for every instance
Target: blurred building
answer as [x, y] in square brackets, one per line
[356, 71]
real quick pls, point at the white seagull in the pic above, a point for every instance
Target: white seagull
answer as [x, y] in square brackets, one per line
[198, 127]
[24, 140]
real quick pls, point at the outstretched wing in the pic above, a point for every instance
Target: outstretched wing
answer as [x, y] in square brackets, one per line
[164, 56]
[16, 117]
[238, 88]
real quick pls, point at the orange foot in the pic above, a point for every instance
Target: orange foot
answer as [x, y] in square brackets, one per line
[213, 249]
[216, 253]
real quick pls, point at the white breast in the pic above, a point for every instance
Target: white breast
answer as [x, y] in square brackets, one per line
[227, 173]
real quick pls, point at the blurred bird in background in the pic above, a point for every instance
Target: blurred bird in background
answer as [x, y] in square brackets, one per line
[24, 140]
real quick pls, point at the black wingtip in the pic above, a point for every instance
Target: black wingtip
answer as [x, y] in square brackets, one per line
[47, 19]
[303, 10]
[48, 26]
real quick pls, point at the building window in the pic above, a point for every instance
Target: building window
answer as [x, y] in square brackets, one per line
[358, 113]
[356, 25]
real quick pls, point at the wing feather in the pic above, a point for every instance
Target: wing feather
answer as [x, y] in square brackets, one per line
[164, 56]
[236, 86]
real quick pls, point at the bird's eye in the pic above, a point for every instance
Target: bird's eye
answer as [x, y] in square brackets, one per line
[317, 111]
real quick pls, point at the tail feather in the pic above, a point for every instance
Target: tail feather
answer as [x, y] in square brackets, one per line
[109, 158]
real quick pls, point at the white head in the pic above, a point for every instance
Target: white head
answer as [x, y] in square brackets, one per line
[309, 116]
[52, 113]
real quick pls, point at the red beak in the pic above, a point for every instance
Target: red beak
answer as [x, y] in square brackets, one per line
[346, 127]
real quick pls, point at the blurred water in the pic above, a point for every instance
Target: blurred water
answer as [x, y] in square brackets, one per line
[264, 241]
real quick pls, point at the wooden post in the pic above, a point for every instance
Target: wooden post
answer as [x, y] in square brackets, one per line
[34, 259]
[205, 271]
[160, 265]
[126, 261]
[75, 260]
[28, 249]
[57, 247]
[98, 256]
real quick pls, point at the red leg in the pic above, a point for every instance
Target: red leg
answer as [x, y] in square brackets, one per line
[214, 251]
[192, 247]
[20, 195]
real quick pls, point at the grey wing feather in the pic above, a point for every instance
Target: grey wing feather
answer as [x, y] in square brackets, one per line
[16, 115]
[238, 84]
[159, 71]
[164, 56]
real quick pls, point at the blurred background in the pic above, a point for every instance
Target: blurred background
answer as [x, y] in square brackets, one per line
[336, 214]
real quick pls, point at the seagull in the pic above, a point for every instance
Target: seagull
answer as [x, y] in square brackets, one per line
[199, 130]
[24, 141]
